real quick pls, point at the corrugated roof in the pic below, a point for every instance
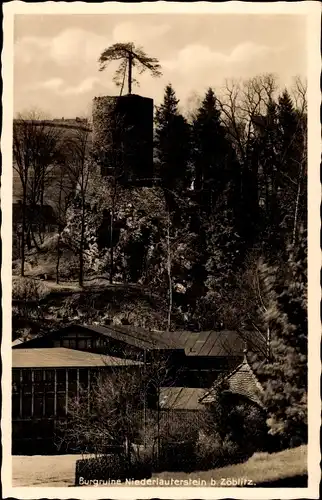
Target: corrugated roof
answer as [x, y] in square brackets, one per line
[134, 336]
[62, 357]
[181, 398]
[241, 381]
[208, 343]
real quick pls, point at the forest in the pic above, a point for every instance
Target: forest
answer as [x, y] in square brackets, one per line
[216, 240]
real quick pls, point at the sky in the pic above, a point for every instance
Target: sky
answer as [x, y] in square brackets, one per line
[56, 56]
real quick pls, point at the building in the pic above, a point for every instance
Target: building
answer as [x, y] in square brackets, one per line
[48, 370]
[239, 384]
[40, 217]
[44, 380]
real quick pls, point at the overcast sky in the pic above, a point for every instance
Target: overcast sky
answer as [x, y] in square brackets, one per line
[56, 69]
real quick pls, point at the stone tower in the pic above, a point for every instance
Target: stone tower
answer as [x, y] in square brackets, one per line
[123, 136]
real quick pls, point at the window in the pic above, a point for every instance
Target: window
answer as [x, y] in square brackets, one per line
[26, 388]
[81, 344]
[83, 377]
[26, 376]
[15, 405]
[26, 406]
[39, 381]
[61, 405]
[72, 343]
[16, 377]
[50, 380]
[65, 342]
[38, 406]
[61, 380]
[49, 405]
[72, 382]
[15, 381]
[93, 378]
[89, 343]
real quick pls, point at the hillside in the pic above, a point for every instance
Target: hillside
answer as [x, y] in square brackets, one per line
[98, 301]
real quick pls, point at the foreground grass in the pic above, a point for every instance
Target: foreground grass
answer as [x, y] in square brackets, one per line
[51, 471]
[260, 468]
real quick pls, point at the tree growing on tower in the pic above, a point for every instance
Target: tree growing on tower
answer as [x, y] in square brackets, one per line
[130, 57]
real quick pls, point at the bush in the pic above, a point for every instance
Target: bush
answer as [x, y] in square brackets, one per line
[232, 431]
[69, 267]
[209, 451]
[28, 289]
[178, 456]
[108, 468]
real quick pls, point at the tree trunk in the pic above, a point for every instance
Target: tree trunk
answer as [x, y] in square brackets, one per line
[130, 73]
[81, 249]
[158, 429]
[58, 258]
[144, 398]
[60, 228]
[111, 231]
[169, 274]
[24, 196]
[112, 247]
[297, 202]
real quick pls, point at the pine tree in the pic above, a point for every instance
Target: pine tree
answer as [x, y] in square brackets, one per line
[172, 142]
[269, 182]
[285, 374]
[217, 197]
[131, 57]
[210, 153]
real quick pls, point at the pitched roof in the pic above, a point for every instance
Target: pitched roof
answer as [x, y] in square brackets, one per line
[223, 343]
[61, 357]
[207, 343]
[181, 398]
[241, 381]
[132, 335]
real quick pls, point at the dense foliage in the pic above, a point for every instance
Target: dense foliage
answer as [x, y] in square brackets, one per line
[210, 239]
[285, 374]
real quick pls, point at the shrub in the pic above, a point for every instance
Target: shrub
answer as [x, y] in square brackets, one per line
[208, 451]
[28, 289]
[108, 468]
[233, 429]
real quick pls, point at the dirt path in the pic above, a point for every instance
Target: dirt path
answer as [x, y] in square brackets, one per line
[44, 471]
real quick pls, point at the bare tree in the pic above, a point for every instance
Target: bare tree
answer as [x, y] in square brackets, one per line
[36, 151]
[109, 415]
[80, 166]
[64, 200]
[241, 102]
[300, 98]
[122, 409]
[299, 94]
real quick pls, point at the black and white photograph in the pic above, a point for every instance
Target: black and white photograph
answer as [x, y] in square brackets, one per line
[158, 244]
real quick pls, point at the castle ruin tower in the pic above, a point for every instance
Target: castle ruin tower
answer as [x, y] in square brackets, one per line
[123, 137]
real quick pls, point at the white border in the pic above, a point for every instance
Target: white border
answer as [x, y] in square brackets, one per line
[313, 11]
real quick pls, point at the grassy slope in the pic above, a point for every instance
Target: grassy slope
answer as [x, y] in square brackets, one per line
[261, 467]
[59, 470]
